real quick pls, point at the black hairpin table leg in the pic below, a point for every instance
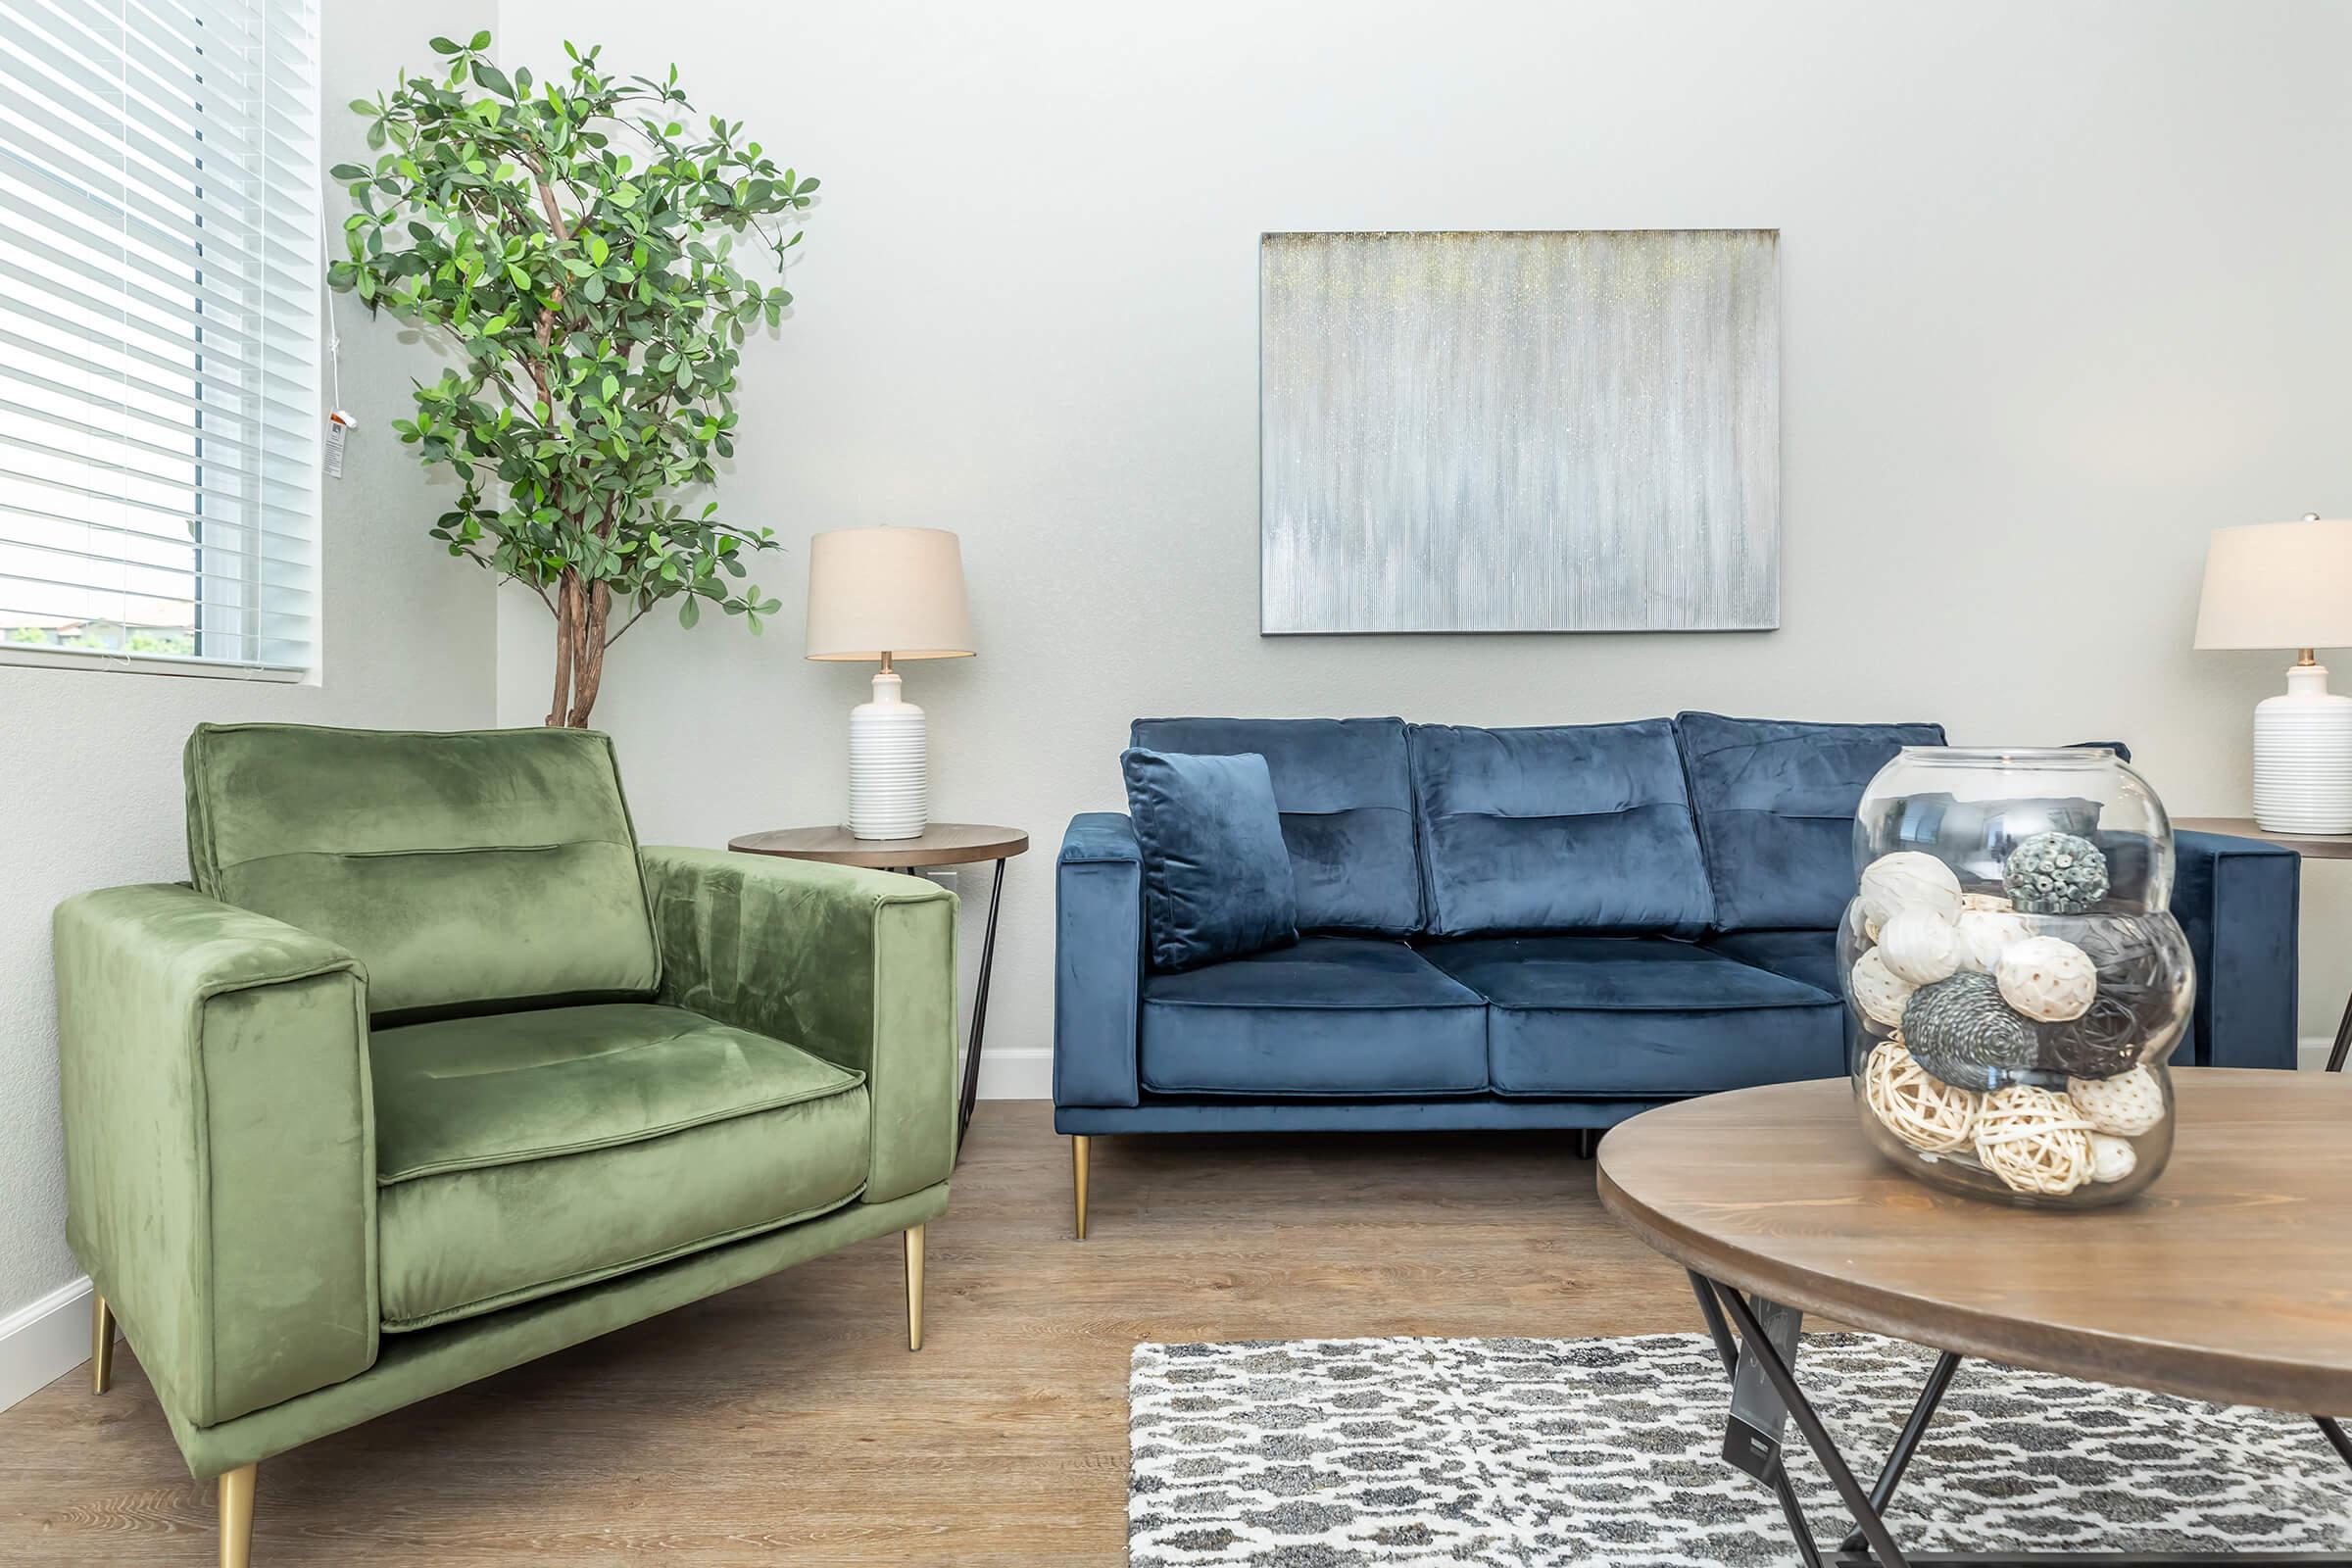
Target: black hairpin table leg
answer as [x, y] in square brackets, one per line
[972, 1051]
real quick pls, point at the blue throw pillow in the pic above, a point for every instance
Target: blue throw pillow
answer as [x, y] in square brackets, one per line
[1217, 878]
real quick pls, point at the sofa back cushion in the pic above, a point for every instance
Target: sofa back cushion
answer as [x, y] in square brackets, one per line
[1582, 827]
[1217, 879]
[1344, 789]
[1776, 802]
[467, 871]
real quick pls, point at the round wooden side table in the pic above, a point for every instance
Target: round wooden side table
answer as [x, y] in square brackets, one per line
[940, 845]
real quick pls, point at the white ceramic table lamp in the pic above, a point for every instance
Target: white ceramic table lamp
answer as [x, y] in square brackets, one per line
[2289, 585]
[886, 594]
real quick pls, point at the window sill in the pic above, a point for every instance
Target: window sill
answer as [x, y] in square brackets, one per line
[93, 659]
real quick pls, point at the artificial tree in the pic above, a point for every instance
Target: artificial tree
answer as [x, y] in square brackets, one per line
[573, 242]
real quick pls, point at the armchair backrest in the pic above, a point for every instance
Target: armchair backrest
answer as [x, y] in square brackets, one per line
[468, 871]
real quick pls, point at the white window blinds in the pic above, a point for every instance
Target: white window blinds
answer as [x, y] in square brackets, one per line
[159, 330]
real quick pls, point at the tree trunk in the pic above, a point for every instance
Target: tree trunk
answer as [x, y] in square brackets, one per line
[588, 660]
[560, 708]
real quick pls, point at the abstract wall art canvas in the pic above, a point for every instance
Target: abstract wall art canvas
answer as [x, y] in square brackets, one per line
[1519, 431]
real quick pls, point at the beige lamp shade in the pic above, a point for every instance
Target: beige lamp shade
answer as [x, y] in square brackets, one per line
[2277, 585]
[895, 591]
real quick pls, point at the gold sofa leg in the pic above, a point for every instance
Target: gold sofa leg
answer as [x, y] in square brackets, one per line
[236, 1518]
[102, 1344]
[1078, 1148]
[914, 1235]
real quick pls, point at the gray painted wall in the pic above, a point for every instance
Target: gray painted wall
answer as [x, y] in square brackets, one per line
[2061, 290]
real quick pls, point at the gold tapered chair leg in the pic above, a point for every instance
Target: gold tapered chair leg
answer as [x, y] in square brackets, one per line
[102, 1344]
[1078, 1148]
[914, 1235]
[236, 1518]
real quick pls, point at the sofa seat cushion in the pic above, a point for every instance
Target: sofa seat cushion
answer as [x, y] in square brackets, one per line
[1572, 827]
[1643, 1017]
[1807, 957]
[519, 1154]
[1332, 1015]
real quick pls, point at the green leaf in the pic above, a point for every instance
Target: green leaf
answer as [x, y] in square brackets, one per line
[598, 250]
[625, 195]
[490, 76]
[481, 40]
[446, 46]
[690, 610]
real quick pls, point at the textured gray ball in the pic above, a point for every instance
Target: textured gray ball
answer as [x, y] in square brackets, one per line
[2055, 873]
[1963, 1032]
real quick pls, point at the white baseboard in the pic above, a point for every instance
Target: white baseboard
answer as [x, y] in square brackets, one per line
[2311, 1051]
[1016, 1073]
[42, 1341]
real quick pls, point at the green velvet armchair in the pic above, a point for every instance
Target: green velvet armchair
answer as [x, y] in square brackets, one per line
[432, 1070]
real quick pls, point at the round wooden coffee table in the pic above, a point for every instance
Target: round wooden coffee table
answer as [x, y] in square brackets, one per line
[2229, 1280]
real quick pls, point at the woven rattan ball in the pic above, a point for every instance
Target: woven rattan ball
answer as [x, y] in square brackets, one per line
[1919, 945]
[1985, 934]
[1916, 1106]
[2034, 1141]
[1876, 990]
[2111, 1158]
[2047, 978]
[1907, 880]
[2128, 1104]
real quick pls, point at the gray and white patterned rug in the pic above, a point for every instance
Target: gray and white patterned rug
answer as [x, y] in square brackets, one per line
[1511, 1453]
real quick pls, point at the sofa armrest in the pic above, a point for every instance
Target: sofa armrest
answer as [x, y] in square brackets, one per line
[2239, 899]
[220, 1144]
[1098, 960]
[857, 966]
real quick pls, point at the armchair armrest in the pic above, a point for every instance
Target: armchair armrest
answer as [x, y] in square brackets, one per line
[856, 966]
[1098, 960]
[2238, 901]
[220, 1144]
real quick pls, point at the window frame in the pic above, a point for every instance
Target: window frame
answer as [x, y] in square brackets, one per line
[228, 580]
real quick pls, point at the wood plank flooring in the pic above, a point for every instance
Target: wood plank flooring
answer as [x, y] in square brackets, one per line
[786, 1422]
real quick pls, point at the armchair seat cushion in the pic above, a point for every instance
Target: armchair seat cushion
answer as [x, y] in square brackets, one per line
[1640, 1017]
[1332, 1015]
[519, 1155]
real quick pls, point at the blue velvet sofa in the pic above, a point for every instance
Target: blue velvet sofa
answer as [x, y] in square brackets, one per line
[1552, 927]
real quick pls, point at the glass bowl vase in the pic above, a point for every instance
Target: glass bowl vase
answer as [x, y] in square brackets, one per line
[2015, 980]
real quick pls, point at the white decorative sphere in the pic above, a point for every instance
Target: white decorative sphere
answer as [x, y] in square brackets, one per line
[1985, 934]
[2047, 978]
[1877, 991]
[2127, 1104]
[1920, 946]
[2111, 1158]
[1909, 880]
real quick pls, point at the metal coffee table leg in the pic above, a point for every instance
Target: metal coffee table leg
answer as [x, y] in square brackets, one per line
[1872, 1542]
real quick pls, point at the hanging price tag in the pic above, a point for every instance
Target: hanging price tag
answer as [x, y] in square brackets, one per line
[338, 425]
